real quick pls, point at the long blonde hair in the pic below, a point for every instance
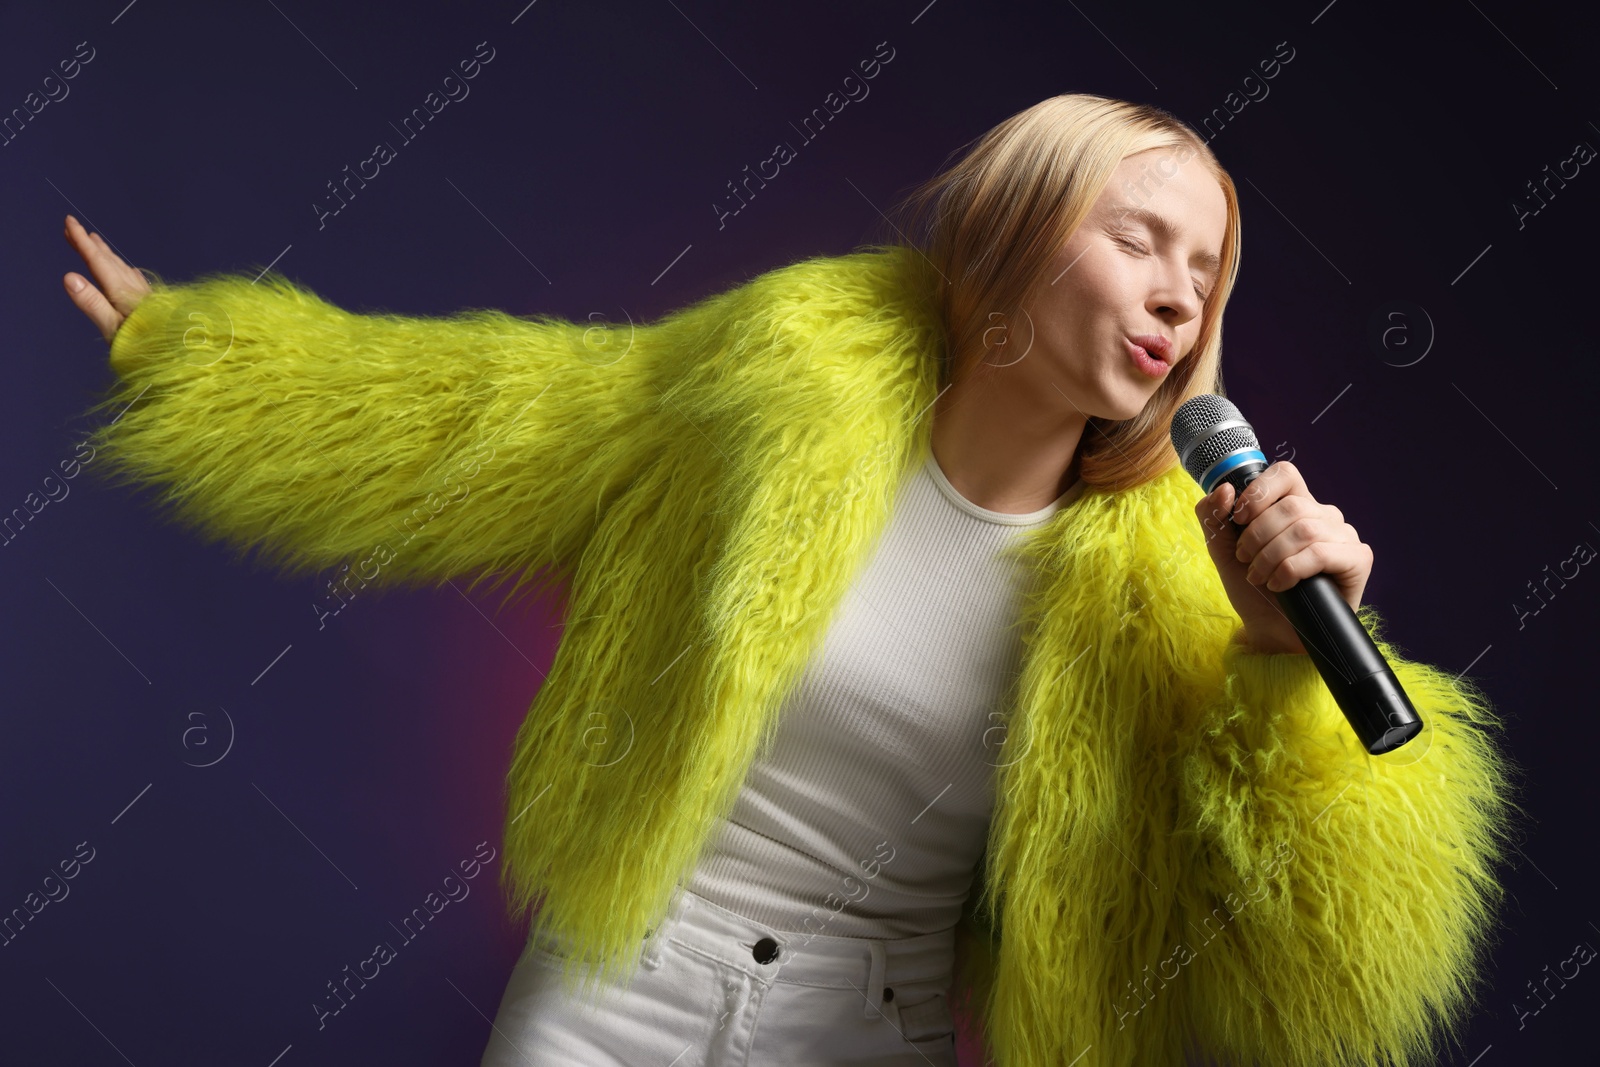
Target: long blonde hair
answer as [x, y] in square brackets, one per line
[991, 223]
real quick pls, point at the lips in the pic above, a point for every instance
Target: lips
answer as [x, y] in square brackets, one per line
[1146, 362]
[1158, 347]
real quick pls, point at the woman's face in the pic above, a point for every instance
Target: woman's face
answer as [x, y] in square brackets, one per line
[1140, 264]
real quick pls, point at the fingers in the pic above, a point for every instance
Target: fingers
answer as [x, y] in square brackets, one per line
[1283, 514]
[1212, 511]
[93, 304]
[1279, 480]
[1305, 542]
[1288, 535]
[105, 264]
[1336, 558]
[122, 286]
[91, 247]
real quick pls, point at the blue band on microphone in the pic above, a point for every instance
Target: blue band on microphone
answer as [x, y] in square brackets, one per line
[1220, 469]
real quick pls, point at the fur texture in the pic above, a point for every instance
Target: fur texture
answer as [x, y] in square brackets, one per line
[1191, 856]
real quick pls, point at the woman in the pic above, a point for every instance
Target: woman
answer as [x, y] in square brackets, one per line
[895, 678]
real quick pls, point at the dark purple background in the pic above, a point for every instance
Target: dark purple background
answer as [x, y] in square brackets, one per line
[1384, 159]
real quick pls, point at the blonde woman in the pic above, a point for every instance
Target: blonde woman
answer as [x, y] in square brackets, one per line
[905, 677]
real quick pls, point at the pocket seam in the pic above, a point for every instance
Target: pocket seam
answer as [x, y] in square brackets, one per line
[933, 1012]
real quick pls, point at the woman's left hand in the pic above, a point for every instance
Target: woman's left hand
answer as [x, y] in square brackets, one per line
[1288, 536]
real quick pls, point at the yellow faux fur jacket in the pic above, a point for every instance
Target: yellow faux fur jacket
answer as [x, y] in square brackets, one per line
[1191, 857]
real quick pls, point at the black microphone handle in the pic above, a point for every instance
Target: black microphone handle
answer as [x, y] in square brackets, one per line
[1353, 669]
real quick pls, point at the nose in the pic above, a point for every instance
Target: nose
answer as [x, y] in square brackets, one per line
[1176, 305]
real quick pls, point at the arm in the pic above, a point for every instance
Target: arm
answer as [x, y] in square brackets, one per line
[1340, 904]
[413, 449]
[1356, 893]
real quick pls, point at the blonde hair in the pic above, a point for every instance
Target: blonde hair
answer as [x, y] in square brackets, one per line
[991, 224]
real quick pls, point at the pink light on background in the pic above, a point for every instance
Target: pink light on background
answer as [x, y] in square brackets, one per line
[491, 665]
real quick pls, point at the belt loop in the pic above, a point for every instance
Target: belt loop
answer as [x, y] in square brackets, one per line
[678, 905]
[875, 979]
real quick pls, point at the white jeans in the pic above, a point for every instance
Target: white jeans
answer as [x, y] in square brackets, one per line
[701, 997]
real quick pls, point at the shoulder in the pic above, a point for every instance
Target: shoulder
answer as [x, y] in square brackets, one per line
[863, 320]
[1141, 520]
[871, 274]
[1146, 535]
[872, 290]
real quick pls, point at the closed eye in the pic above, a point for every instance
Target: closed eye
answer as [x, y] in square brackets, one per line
[1142, 250]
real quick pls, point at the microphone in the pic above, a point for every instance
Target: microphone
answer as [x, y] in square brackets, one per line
[1215, 444]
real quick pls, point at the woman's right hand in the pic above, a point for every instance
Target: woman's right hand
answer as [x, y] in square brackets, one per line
[123, 286]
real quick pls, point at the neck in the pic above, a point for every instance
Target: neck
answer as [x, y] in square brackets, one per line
[1004, 446]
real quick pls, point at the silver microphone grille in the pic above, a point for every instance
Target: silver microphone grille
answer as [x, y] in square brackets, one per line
[1206, 428]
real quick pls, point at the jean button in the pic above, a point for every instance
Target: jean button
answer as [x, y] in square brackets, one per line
[765, 950]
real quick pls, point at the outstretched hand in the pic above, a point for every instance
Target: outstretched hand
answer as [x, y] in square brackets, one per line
[121, 286]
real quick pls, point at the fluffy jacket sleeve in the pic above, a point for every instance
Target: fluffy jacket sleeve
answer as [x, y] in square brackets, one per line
[413, 449]
[1341, 905]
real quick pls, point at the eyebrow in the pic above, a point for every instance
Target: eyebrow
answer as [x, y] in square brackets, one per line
[1211, 262]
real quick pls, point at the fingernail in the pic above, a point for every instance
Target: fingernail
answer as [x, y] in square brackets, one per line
[74, 283]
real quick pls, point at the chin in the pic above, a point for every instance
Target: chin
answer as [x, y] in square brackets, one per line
[1111, 397]
[1122, 412]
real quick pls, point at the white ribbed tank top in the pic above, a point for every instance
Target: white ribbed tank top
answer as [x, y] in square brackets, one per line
[868, 813]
